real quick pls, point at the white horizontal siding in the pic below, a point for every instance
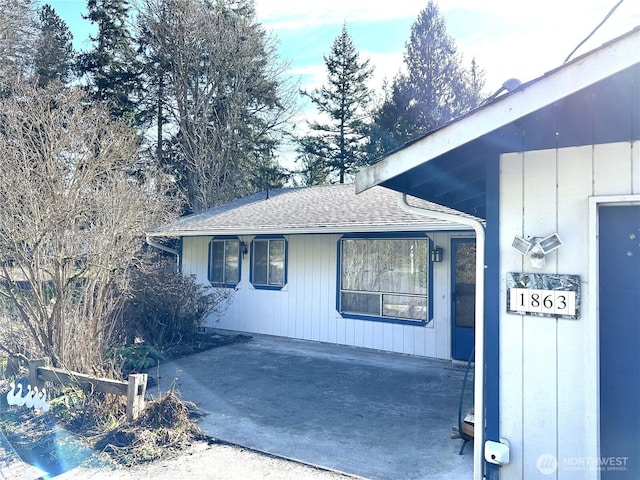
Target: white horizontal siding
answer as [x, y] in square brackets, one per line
[548, 366]
[306, 307]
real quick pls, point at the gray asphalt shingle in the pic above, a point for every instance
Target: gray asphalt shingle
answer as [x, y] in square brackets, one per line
[316, 209]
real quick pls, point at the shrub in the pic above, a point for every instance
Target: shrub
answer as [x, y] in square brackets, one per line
[136, 358]
[167, 307]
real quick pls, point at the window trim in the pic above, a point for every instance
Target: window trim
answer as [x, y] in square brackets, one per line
[380, 318]
[268, 238]
[224, 238]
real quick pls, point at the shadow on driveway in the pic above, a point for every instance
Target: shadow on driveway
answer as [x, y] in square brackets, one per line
[374, 414]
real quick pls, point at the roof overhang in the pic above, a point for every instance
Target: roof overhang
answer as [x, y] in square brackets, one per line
[448, 165]
[316, 230]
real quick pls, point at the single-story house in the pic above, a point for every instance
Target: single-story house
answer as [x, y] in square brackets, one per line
[322, 263]
[553, 169]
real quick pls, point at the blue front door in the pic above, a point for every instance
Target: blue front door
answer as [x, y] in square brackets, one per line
[619, 334]
[463, 297]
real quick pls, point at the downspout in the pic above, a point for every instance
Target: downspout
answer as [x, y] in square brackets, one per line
[164, 248]
[478, 393]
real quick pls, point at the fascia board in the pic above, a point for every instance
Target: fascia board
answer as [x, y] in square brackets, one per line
[431, 227]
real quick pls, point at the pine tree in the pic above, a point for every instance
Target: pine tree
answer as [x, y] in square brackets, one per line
[337, 145]
[54, 54]
[112, 68]
[434, 89]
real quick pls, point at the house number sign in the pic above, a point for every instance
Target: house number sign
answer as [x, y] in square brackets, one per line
[543, 294]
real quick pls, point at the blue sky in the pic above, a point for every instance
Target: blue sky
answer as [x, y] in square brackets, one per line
[508, 38]
[514, 38]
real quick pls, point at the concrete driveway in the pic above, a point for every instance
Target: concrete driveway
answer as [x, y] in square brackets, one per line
[368, 413]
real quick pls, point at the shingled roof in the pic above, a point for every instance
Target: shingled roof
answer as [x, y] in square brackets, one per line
[317, 209]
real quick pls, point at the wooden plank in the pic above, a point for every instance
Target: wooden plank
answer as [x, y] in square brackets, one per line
[397, 338]
[136, 388]
[439, 329]
[409, 332]
[318, 275]
[66, 377]
[34, 381]
[511, 325]
[327, 294]
[635, 168]
[612, 169]
[539, 334]
[577, 364]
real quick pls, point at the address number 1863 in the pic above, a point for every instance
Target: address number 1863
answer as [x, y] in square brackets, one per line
[550, 302]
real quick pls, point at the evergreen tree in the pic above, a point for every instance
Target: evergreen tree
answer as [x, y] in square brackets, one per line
[472, 95]
[312, 169]
[54, 55]
[434, 89]
[393, 121]
[112, 68]
[338, 146]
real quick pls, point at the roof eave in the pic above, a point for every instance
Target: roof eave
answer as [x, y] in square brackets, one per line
[553, 86]
[430, 227]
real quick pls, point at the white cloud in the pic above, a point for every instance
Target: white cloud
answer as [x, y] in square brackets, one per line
[527, 39]
[508, 38]
[294, 14]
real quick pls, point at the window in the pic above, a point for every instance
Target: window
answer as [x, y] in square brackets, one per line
[268, 262]
[224, 262]
[384, 278]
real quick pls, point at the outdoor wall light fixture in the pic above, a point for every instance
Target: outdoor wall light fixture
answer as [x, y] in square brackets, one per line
[550, 243]
[521, 244]
[537, 248]
[437, 254]
[244, 249]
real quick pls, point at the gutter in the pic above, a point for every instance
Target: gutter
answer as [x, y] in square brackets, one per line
[478, 393]
[313, 230]
[164, 248]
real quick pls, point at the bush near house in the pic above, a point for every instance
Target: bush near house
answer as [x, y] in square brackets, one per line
[167, 307]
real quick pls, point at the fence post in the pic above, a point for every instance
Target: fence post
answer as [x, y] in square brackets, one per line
[137, 386]
[13, 367]
[34, 381]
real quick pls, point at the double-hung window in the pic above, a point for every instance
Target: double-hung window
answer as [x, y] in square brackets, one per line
[224, 262]
[384, 278]
[269, 262]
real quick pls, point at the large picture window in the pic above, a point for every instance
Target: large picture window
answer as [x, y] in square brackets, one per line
[224, 262]
[268, 262]
[385, 278]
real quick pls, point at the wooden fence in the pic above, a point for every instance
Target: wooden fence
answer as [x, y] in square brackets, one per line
[134, 388]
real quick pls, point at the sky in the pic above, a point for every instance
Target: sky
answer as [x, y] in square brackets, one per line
[508, 39]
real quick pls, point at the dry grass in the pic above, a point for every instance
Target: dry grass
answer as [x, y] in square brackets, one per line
[98, 422]
[165, 426]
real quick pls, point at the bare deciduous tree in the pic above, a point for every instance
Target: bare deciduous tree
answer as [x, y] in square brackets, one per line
[222, 92]
[17, 35]
[72, 221]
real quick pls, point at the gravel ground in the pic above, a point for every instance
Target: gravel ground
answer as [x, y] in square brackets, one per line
[204, 461]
